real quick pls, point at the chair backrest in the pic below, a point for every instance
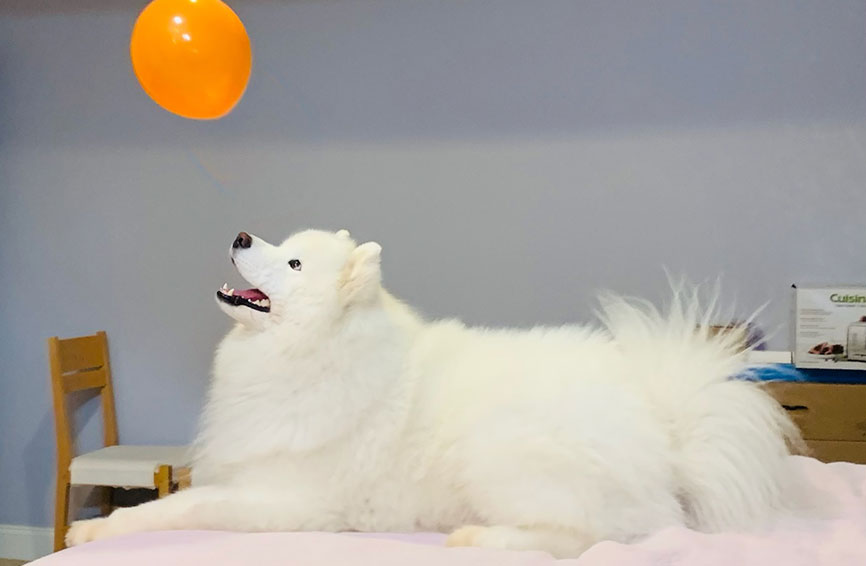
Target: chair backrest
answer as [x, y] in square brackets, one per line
[79, 364]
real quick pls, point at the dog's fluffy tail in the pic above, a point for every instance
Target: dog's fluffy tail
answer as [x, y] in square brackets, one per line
[731, 438]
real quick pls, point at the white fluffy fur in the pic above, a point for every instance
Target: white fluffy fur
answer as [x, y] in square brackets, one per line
[342, 409]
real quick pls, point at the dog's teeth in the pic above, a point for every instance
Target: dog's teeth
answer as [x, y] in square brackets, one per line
[225, 287]
[231, 292]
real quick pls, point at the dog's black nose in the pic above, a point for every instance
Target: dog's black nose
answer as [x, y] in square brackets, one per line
[243, 240]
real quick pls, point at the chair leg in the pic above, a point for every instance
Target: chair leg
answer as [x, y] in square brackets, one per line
[61, 511]
[182, 478]
[162, 480]
[106, 505]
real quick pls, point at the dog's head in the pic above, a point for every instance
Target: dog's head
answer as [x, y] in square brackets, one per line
[312, 276]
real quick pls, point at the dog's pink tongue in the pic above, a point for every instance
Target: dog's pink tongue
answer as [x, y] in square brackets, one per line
[250, 294]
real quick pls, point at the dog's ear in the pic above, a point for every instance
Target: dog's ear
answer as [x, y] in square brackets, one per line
[362, 276]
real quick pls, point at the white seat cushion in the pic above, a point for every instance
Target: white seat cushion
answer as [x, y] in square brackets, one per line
[125, 466]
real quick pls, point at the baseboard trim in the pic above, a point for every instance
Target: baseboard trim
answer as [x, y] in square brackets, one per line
[21, 542]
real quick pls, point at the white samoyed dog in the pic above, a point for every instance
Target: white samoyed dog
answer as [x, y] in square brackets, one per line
[335, 407]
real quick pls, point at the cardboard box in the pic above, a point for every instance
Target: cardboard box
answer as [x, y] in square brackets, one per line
[830, 416]
[830, 327]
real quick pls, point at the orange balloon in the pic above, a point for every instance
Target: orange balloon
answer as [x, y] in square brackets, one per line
[192, 57]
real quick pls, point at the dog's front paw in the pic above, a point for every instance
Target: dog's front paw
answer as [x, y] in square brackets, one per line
[81, 532]
[561, 543]
[469, 535]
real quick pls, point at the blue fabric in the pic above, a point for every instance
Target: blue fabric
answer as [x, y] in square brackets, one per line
[787, 372]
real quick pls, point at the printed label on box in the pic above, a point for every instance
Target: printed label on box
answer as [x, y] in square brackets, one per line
[830, 327]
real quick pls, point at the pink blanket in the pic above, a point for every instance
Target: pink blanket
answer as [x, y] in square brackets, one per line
[838, 540]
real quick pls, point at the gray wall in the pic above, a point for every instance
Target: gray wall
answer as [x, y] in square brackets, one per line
[512, 157]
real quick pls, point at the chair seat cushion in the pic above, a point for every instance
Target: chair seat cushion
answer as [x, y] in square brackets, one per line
[125, 466]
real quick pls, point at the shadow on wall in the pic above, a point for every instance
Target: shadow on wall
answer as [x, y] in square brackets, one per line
[39, 468]
[5, 93]
[85, 411]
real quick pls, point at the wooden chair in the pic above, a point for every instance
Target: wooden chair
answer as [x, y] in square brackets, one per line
[79, 364]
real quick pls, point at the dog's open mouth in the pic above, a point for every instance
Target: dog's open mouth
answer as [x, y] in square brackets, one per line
[251, 298]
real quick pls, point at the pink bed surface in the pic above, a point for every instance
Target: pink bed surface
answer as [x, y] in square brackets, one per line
[837, 539]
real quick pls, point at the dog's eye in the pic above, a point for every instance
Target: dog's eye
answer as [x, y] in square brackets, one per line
[295, 264]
